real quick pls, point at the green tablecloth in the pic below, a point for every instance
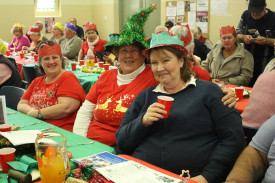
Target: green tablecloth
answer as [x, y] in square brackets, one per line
[87, 80]
[78, 151]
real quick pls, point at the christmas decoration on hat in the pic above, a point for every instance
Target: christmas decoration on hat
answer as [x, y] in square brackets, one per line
[90, 26]
[49, 49]
[59, 26]
[165, 38]
[227, 30]
[34, 30]
[71, 26]
[133, 30]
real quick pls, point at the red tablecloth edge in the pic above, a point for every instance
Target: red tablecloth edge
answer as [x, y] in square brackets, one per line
[153, 167]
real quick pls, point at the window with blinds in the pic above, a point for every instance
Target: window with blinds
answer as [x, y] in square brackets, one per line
[47, 8]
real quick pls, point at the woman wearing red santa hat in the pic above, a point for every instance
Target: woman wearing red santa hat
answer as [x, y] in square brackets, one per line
[50, 97]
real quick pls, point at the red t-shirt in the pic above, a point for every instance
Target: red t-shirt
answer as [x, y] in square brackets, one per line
[112, 101]
[201, 73]
[98, 47]
[41, 95]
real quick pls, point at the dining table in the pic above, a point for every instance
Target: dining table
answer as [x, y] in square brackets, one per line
[242, 103]
[87, 80]
[78, 151]
[20, 62]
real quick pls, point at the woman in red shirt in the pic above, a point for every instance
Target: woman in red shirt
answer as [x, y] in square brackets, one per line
[92, 44]
[50, 97]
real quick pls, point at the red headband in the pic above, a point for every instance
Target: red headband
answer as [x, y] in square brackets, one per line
[49, 50]
[227, 30]
[90, 26]
[188, 38]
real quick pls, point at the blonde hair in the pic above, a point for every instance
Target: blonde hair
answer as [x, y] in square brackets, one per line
[17, 27]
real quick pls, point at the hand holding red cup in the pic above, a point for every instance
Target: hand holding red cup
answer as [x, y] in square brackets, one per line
[167, 102]
[239, 92]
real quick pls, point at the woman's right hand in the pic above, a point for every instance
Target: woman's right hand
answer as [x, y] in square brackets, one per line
[153, 113]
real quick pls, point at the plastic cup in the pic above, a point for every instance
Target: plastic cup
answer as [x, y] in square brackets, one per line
[5, 128]
[101, 64]
[12, 50]
[33, 53]
[6, 154]
[167, 102]
[21, 55]
[106, 67]
[8, 52]
[81, 62]
[73, 64]
[35, 57]
[239, 92]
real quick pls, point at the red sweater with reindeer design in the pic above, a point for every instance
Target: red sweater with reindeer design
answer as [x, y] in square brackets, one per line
[112, 101]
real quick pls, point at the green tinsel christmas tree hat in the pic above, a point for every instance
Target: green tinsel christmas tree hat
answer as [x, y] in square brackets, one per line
[133, 30]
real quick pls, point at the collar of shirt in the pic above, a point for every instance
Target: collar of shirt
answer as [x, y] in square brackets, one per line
[128, 78]
[160, 88]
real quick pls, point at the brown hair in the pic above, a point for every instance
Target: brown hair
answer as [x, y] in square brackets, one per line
[40, 68]
[185, 71]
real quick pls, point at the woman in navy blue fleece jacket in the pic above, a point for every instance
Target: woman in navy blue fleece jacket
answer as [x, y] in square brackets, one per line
[200, 133]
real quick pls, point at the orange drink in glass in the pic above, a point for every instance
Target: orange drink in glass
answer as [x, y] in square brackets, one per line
[52, 158]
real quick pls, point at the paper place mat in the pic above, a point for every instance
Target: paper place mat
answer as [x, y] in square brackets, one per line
[21, 137]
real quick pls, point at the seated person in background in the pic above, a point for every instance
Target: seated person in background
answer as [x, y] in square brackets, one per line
[112, 60]
[9, 75]
[37, 39]
[92, 44]
[229, 63]
[200, 134]
[198, 35]
[256, 163]
[72, 44]
[58, 35]
[51, 97]
[260, 106]
[184, 33]
[19, 40]
[79, 30]
[38, 24]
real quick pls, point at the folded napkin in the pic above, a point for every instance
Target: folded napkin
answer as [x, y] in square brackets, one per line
[25, 164]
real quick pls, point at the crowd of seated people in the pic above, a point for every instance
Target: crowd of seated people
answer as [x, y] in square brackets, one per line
[203, 132]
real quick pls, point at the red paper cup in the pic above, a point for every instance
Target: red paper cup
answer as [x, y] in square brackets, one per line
[239, 92]
[167, 102]
[12, 50]
[33, 53]
[73, 64]
[81, 62]
[101, 64]
[8, 53]
[6, 154]
[106, 67]
[35, 57]
[21, 55]
[5, 128]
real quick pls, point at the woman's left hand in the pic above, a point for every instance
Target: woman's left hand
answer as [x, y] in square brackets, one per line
[217, 81]
[229, 99]
[33, 112]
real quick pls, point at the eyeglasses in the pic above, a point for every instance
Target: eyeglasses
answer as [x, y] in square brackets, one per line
[132, 52]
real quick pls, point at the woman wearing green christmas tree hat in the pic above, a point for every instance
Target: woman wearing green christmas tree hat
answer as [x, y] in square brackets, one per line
[200, 134]
[109, 98]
